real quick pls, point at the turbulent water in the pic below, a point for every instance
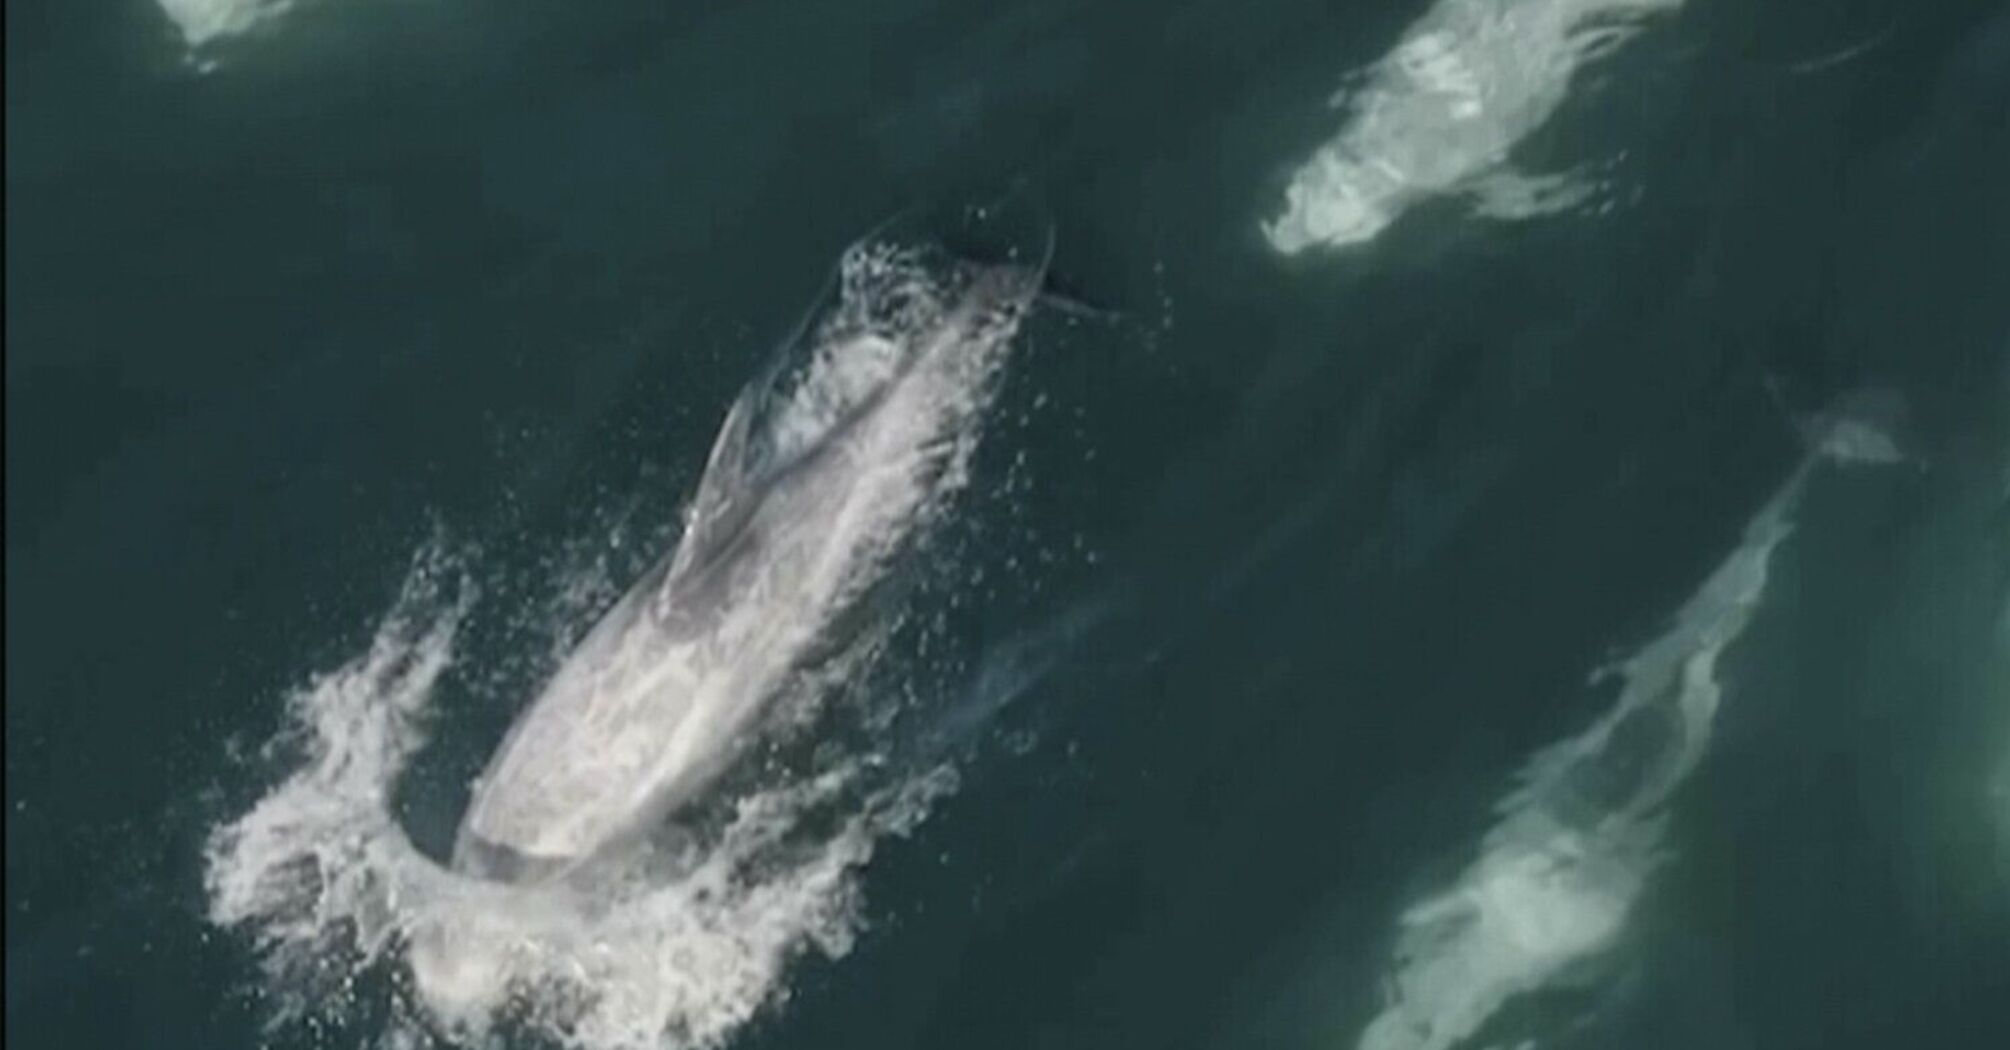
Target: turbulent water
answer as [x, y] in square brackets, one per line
[1426, 525]
[332, 890]
[823, 472]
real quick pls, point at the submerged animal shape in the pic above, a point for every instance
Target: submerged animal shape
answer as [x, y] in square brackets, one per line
[1862, 426]
[1559, 874]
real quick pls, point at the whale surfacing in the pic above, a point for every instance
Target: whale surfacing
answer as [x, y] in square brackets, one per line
[1443, 113]
[824, 469]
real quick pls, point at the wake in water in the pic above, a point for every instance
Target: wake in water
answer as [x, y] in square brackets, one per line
[1578, 839]
[1440, 114]
[580, 902]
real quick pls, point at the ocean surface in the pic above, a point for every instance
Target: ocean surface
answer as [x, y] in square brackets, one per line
[1397, 525]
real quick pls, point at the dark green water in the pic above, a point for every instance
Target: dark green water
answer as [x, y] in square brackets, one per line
[1315, 551]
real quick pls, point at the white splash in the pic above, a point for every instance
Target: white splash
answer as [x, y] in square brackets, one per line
[679, 945]
[317, 849]
[1442, 111]
[1579, 837]
[204, 21]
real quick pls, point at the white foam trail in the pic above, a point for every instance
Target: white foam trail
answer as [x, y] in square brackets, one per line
[1578, 838]
[1442, 111]
[204, 21]
[671, 947]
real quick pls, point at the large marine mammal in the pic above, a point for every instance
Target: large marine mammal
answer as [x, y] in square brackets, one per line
[823, 469]
[1558, 876]
[1443, 112]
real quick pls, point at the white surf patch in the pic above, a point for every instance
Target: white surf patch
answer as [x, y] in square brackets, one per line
[1442, 111]
[330, 890]
[205, 21]
[305, 870]
[1558, 876]
[671, 947]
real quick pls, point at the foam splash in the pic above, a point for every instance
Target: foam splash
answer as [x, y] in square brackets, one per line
[331, 891]
[676, 945]
[1581, 834]
[1442, 111]
[631, 958]
[315, 869]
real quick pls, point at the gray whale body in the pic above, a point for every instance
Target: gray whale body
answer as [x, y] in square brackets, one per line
[824, 468]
